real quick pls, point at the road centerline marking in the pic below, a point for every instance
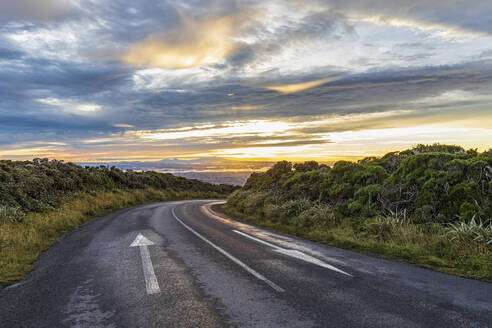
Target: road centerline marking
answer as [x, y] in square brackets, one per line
[231, 257]
[151, 284]
[294, 253]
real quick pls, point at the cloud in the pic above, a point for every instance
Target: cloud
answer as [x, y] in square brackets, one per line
[69, 105]
[297, 87]
[246, 107]
[234, 37]
[37, 11]
[195, 42]
[235, 129]
[452, 16]
[148, 78]
[10, 54]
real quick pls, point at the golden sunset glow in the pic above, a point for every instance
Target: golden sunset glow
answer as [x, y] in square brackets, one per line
[234, 129]
[200, 42]
[297, 87]
[327, 139]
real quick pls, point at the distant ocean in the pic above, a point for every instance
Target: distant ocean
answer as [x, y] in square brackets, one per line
[217, 172]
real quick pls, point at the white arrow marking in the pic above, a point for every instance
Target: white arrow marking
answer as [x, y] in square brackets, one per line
[294, 253]
[232, 258]
[150, 279]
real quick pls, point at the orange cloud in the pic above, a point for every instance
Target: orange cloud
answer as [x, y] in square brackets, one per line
[197, 42]
[296, 87]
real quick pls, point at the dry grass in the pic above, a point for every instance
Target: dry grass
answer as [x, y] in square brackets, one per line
[427, 246]
[21, 243]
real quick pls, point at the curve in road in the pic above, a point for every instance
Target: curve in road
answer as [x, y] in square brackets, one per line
[181, 264]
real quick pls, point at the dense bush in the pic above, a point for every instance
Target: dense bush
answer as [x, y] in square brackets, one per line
[39, 185]
[426, 184]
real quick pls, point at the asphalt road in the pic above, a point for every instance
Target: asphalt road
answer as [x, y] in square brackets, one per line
[179, 264]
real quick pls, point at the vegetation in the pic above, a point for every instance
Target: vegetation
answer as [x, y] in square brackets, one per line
[430, 205]
[41, 199]
[40, 185]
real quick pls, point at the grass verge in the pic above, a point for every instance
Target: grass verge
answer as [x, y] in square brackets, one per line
[430, 247]
[22, 242]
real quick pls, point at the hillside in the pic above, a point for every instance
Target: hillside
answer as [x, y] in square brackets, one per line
[40, 185]
[40, 200]
[431, 205]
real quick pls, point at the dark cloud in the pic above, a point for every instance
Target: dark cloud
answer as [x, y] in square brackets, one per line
[38, 11]
[9, 54]
[110, 86]
[325, 25]
[35, 77]
[130, 22]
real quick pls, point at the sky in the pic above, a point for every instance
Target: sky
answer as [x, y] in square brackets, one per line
[114, 80]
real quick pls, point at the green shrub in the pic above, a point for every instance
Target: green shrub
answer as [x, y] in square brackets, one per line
[318, 215]
[254, 202]
[11, 214]
[468, 211]
[474, 230]
[272, 211]
[382, 227]
[294, 207]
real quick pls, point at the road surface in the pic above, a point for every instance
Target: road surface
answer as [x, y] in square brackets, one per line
[180, 264]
